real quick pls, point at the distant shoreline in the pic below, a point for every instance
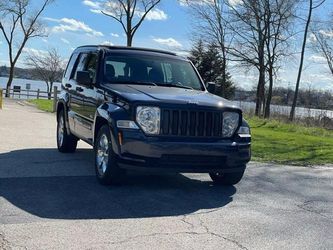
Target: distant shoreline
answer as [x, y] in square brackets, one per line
[35, 84]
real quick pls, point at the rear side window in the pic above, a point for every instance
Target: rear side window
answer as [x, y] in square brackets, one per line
[81, 64]
[70, 66]
[91, 66]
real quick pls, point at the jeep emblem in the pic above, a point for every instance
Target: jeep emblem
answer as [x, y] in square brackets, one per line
[193, 102]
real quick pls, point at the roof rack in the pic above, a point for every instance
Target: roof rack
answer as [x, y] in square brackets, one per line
[131, 48]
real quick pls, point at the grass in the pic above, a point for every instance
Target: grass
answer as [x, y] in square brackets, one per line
[284, 143]
[275, 141]
[43, 104]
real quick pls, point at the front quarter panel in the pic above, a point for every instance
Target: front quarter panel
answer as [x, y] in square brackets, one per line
[110, 113]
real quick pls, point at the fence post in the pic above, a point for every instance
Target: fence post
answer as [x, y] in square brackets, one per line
[55, 97]
[37, 93]
[1, 91]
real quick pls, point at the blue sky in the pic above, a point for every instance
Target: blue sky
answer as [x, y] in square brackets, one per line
[72, 23]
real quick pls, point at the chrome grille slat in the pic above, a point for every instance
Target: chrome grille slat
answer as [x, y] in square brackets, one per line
[198, 123]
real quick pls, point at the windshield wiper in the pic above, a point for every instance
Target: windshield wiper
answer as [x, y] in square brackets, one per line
[180, 85]
[136, 82]
[142, 83]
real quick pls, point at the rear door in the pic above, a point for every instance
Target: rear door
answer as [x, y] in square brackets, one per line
[68, 84]
[92, 97]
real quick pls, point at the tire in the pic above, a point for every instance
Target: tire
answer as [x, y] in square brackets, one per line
[106, 166]
[227, 179]
[66, 142]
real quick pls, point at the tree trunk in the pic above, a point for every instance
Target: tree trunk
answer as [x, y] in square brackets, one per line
[129, 40]
[293, 107]
[269, 94]
[260, 91]
[10, 80]
[50, 91]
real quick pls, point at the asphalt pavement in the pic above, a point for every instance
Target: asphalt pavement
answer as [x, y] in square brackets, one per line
[50, 200]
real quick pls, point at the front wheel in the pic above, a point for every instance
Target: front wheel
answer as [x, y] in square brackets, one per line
[106, 167]
[227, 178]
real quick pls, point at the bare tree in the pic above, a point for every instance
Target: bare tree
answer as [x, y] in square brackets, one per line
[47, 67]
[323, 45]
[247, 22]
[278, 20]
[312, 5]
[21, 25]
[129, 13]
[211, 19]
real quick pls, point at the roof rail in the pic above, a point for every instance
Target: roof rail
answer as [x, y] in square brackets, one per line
[130, 48]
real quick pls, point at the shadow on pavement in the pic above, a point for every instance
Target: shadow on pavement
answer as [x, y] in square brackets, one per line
[81, 197]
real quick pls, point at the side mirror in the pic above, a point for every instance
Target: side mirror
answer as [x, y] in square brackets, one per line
[83, 78]
[211, 86]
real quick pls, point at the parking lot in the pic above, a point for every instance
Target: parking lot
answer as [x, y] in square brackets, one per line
[50, 200]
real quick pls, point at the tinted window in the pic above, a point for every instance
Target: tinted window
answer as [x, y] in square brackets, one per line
[81, 63]
[70, 65]
[163, 71]
[91, 66]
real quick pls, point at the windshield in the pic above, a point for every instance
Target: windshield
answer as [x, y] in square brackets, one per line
[150, 70]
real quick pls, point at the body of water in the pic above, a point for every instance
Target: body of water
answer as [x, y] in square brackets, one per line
[35, 85]
[285, 110]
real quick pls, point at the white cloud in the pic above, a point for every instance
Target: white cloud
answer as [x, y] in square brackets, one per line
[170, 42]
[196, 2]
[107, 43]
[114, 35]
[111, 7]
[35, 52]
[235, 2]
[156, 14]
[327, 33]
[317, 59]
[91, 4]
[64, 40]
[70, 24]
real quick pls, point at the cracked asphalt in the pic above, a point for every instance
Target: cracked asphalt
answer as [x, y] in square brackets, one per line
[50, 200]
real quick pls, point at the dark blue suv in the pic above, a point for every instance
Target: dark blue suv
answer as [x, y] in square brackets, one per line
[149, 109]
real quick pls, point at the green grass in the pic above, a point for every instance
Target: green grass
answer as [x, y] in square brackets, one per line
[43, 104]
[274, 141]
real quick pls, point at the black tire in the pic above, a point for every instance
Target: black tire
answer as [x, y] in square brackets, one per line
[66, 143]
[227, 179]
[106, 166]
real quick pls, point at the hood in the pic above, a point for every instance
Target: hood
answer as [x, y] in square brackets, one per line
[174, 95]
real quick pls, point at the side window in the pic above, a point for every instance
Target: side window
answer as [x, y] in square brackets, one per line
[91, 66]
[70, 66]
[80, 64]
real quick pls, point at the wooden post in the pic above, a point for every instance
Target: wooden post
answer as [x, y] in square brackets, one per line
[38, 94]
[1, 91]
[55, 97]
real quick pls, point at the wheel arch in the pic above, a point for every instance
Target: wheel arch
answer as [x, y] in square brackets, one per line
[61, 106]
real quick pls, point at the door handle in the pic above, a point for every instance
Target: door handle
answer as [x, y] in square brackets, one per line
[79, 89]
[67, 85]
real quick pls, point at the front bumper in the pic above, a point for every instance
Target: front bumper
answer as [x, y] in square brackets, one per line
[181, 155]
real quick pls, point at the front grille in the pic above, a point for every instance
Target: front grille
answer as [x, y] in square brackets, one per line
[176, 122]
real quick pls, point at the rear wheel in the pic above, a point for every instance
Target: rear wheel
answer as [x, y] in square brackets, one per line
[106, 167]
[66, 142]
[227, 178]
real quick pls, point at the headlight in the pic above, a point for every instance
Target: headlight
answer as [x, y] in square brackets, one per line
[230, 123]
[149, 119]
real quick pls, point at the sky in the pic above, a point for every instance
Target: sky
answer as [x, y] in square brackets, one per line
[72, 23]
